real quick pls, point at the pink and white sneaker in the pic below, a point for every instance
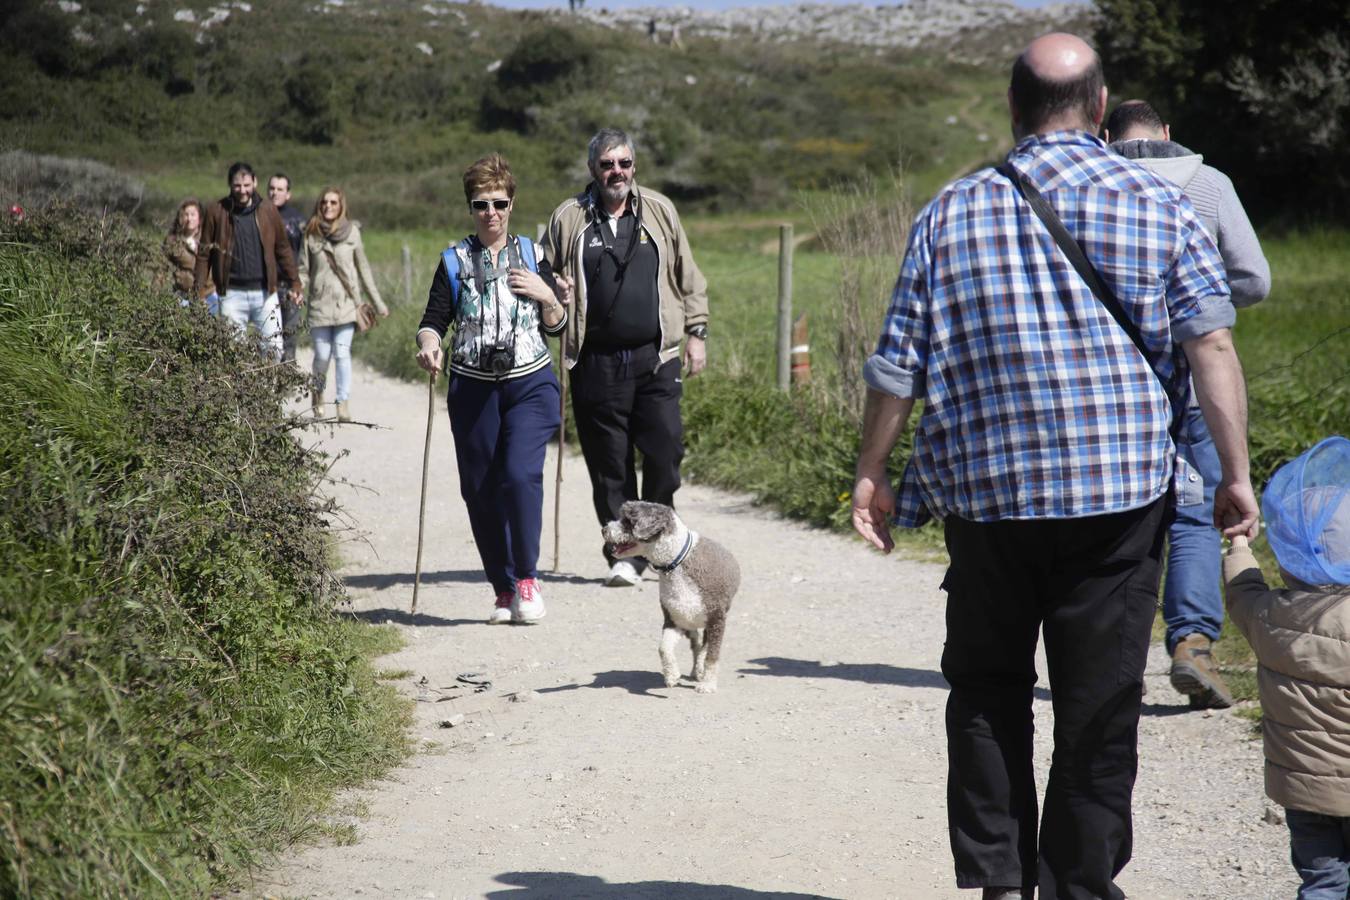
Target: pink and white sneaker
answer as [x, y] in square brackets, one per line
[503, 610]
[529, 601]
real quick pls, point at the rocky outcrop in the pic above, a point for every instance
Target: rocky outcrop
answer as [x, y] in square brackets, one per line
[967, 30]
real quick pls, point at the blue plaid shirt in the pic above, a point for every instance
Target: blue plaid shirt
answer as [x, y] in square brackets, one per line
[1036, 404]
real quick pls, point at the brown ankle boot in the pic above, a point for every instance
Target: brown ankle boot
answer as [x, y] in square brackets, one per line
[344, 412]
[1195, 674]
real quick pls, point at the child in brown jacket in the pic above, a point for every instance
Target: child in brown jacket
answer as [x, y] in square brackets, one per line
[1301, 636]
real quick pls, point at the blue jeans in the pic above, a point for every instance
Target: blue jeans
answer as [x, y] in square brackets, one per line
[1192, 593]
[1319, 847]
[333, 342]
[260, 309]
[212, 301]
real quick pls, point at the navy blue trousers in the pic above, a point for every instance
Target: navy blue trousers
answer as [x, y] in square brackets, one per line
[502, 429]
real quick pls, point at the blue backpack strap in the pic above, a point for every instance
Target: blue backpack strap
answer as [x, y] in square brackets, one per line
[527, 253]
[451, 260]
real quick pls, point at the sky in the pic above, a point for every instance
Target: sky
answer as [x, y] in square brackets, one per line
[707, 4]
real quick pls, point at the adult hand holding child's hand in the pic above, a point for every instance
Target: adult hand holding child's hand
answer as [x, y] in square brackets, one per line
[1235, 510]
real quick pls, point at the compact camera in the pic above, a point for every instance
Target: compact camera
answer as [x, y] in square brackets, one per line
[500, 359]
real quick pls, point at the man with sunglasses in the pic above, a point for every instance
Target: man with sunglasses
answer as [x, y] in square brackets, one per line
[639, 297]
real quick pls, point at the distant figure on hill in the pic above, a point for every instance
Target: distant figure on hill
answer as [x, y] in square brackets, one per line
[1192, 595]
[180, 247]
[244, 251]
[640, 297]
[333, 272]
[279, 192]
[1044, 448]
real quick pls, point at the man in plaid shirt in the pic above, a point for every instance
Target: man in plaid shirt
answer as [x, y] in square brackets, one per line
[1043, 445]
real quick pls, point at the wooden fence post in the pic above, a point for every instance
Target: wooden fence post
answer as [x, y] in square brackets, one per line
[407, 274]
[784, 306]
[801, 352]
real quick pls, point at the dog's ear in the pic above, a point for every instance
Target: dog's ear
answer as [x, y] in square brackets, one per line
[648, 520]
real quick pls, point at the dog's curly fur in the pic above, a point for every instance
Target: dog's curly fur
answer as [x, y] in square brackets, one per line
[695, 594]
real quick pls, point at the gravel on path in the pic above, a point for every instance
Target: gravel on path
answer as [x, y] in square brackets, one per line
[817, 770]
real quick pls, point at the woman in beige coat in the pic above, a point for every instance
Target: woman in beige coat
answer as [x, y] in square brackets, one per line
[333, 271]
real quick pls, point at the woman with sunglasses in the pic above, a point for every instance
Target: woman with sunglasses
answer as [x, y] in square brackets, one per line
[333, 269]
[502, 302]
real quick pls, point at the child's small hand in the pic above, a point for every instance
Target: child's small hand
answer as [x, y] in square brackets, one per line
[1239, 542]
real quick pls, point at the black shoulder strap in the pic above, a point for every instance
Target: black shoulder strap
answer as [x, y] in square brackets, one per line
[1074, 251]
[1078, 258]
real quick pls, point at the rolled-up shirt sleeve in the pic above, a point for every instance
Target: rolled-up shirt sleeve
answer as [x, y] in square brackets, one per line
[901, 358]
[1198, 298]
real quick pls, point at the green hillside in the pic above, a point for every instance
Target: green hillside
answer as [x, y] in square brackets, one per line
[348, 96]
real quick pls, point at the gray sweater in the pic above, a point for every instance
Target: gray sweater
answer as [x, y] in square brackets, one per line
[1216, 203]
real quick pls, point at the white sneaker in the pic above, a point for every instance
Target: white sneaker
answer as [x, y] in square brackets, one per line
[529, 601]
[501, 611]
[622, 574]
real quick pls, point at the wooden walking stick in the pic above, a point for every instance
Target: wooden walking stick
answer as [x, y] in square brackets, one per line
[562, 443]
[422, 509]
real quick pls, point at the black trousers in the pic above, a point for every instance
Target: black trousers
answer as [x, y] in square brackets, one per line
[622, 401]
[290, 323]
[1091, 584]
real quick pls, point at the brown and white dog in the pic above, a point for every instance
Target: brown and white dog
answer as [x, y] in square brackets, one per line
[698, 579]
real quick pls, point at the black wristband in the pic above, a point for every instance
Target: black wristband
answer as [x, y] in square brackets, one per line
[697, 331]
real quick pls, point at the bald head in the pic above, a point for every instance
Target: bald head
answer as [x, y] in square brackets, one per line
[1057, 84]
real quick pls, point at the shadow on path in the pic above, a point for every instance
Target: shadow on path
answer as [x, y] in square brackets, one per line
[552, 885]
[634, 682]
[869, 673]
[403, 617]
[1160, 710]
[379, 581]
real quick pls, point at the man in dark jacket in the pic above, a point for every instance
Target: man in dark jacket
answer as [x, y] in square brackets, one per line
[279, 192]
[245, 250]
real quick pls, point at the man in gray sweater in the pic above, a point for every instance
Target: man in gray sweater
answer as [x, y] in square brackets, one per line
[1192, 596]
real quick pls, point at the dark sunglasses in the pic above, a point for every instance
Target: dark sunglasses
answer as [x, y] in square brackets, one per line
[607, 164]
[482, 205]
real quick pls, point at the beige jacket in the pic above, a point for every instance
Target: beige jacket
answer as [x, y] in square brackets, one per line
[333, 293]
[681, 287]
[1302, 642]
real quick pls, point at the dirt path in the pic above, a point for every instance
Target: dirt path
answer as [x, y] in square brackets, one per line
[817, 770]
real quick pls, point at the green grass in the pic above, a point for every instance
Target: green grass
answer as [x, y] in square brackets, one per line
[177, 696]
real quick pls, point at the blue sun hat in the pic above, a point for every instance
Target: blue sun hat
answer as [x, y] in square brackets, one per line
[1307, 510]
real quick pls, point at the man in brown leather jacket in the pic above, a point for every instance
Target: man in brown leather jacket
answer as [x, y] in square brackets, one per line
[243, 247]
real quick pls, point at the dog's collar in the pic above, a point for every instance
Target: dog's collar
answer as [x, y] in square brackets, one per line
[679, 557]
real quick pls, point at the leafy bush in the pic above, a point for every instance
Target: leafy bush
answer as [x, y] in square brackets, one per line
[176, 690]
[1261, 90]
[545, 66]
[310, 111]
